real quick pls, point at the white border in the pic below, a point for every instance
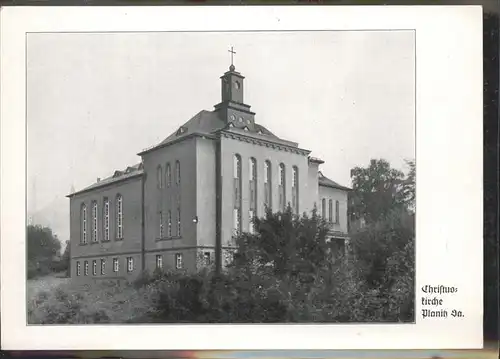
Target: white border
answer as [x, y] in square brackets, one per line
[449, 174]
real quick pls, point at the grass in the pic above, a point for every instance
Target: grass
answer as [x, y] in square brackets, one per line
[45, 284]
[54, 300]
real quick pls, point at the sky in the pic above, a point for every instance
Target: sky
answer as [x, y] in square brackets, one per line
[95, 100]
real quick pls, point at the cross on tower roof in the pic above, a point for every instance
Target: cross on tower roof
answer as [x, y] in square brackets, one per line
[232, 53]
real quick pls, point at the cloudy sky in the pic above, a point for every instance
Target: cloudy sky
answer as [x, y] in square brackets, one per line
[96, 100]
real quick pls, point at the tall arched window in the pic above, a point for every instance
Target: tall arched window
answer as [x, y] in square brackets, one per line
[178, 222]
[337, 210]
[177, 172]
[169, 224]
[119, 216]
[160, 229]
[323, 208]
[168, 175]
[94, 222]
[281, 187]
[106, 219]
[160, 177]
[267, 184]
[83, 218]
[330, 210]
[253, 192]
[295, 190]
[237, 193]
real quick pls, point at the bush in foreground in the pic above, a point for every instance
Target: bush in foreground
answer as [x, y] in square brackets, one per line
[284, 272]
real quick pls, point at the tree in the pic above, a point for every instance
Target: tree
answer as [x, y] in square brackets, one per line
[383, 251]
[64, 264]
[284, 243]
[408, 188]
[378, 189]
[43, 247]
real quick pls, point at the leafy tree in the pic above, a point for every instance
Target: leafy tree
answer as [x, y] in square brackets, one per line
[43, 246]
[285, 244]
[409, 185]
[379, 189]
[64, 263]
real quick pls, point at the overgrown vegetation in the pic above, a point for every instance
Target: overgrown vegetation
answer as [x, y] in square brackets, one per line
[286, 271]
[44, 252]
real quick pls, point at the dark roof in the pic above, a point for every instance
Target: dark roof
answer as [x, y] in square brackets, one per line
[205, 123]
[118, 175]
[316, 160]
[325, 181]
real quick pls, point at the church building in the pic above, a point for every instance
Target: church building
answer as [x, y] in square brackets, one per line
[181, 204]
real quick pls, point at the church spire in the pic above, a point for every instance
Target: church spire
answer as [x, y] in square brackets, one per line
[232, 108]
[232, 83]
[232, 68]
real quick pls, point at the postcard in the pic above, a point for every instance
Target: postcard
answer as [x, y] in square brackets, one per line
[227, 178]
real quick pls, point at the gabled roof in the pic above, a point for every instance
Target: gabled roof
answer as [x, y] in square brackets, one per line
[325, 181]
[118, 175]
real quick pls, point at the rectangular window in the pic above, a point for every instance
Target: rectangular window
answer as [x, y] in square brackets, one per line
[267, 184]
[295, 190]
[130, 264]
[337, 205]
[236, 166]
[78, 268]
[330, 210]
[323, 208]
[178, 260]
[237, 181]
[251, 215]
[253, 184]
[178, 222]
[94, 222]
[159, 261]
[103, 266]
[116, 265]
[106, 220]
[160, 177]
[169, 227]
[177, 172]
[94, 267]
[206, 257]
[84, 224]
[237, 221]
[168, 175]
[119, 217]
[160, 219]
[86, 268]
[282, 186]
[236, 193]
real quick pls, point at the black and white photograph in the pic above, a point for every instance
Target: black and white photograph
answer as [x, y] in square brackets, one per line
[241, 178]
[221, 177]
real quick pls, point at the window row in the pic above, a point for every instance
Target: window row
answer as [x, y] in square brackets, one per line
[237, 185]
[162, 221]
[167, 178]
[333, 215]
[115, 268]
[178, 261]
[94, 233]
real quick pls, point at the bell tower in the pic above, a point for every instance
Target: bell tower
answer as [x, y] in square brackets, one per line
[232, 86]
[232, 108]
